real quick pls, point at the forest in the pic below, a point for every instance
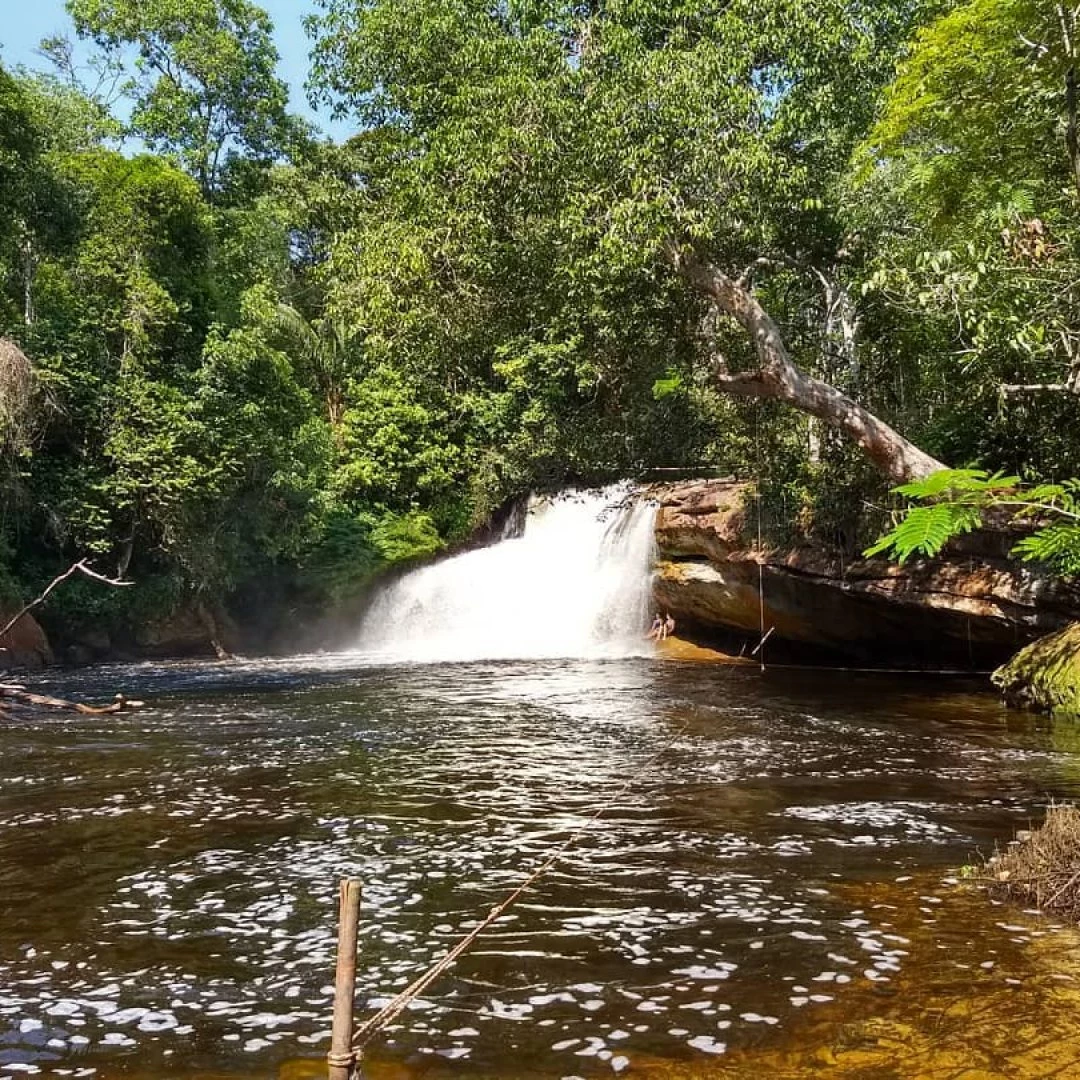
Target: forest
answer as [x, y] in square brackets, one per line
[830, 247]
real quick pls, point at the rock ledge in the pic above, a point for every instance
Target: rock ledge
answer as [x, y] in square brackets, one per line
[972, 607]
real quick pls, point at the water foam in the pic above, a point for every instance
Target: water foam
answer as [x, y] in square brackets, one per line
[575, 583]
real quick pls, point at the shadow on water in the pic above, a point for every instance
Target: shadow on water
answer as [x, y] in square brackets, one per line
[770, 895]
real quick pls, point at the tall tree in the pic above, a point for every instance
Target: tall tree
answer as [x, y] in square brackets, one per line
[204, 82]
[607, 148]
[968, 195]
[20, 157]
[40, 122]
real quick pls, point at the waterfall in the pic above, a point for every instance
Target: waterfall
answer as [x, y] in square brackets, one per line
[576, 582]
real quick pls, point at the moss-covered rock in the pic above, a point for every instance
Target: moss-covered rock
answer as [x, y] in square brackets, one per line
[1046, 674]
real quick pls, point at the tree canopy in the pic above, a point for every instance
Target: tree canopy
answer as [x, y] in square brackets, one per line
[204, 83]
[831, 246]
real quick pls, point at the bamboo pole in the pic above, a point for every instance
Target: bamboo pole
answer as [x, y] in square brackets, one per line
[342, 1057]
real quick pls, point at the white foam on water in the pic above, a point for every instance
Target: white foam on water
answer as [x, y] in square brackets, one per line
[576, 583]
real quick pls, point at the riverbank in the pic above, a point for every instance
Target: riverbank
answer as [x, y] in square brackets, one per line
[970, 609]
[25, 645]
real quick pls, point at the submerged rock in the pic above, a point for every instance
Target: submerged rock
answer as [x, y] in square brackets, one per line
[1045, 675]
[972, 607]
[676, 648]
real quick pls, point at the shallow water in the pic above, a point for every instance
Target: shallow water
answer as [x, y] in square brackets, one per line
[768, 893]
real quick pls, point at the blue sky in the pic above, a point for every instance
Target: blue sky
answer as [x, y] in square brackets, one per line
[26, 22]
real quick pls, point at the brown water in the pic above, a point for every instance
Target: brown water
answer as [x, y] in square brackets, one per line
[771, 896]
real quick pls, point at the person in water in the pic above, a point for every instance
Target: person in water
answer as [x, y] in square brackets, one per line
[669, 625]
[657, 627]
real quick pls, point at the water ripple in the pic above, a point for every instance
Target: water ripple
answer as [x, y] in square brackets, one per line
[167, 877]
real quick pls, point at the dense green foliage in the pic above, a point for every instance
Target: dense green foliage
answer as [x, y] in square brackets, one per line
[954, 501]
[204, 82]
[264, 366]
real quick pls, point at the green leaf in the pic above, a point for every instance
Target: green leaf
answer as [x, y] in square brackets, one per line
[944, 480]
[670, 384]
[925, 530]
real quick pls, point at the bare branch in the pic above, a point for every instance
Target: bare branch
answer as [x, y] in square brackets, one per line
[747, 276]
[80, 567]
[1036, 47]
[1066, 37]
[1039, 388]
[778, 377]
[23, 696]
[1072, 138]
[746, 384]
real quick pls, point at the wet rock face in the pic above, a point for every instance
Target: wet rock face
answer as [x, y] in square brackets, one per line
[192, 630]
[973, 607]
[25, 645]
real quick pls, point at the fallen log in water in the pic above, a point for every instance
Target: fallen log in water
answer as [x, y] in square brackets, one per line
[12, 692]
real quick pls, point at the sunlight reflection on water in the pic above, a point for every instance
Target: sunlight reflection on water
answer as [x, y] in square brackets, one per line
[167, 877]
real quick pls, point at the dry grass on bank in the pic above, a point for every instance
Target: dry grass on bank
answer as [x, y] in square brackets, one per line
[1040, 868]
[18, 392]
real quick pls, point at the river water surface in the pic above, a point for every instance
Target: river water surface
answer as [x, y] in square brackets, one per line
[770, 893]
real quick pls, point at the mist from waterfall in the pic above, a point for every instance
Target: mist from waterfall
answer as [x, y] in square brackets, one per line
[575, 583]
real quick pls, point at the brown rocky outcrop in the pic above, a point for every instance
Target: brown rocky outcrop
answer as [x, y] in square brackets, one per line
[971, 607]
[195, 629]
[24, 645]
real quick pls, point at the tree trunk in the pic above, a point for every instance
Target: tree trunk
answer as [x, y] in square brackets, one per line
[779, 378]
[209, 621]
[1072, 139]
[28, 269]
[127, 549]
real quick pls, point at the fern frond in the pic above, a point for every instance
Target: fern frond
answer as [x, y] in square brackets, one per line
[954, 500]
[925, 530]
[944, 480]
[999, 482]
[881, 545]
[1046, 493]
[1057, 545]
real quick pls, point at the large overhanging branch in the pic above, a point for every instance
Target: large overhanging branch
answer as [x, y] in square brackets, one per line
[778, 378]
[1071, 385]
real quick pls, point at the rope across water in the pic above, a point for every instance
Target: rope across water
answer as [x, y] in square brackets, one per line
[397, 1005]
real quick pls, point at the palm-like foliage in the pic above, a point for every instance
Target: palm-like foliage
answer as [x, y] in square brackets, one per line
[323, 351]
[953, 501]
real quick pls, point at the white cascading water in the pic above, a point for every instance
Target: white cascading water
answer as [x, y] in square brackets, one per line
[576, 583]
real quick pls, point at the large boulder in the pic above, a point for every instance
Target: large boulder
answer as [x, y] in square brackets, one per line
[1045, 675]
[972, 607]
[24, 645]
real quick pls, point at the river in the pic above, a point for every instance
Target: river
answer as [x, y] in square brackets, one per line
[771, 891]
